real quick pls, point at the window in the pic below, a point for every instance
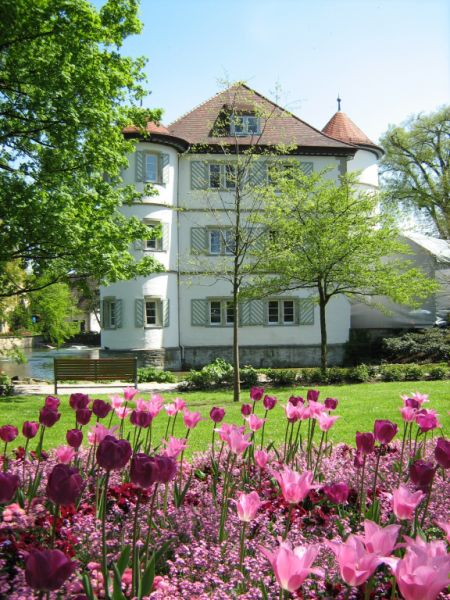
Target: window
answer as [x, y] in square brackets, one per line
[242, 125]
[154, 244]
[221, 241]
[151, 168]
[111, 311]
[281, 312]
[279, 171]
[222, 176]
[221, 312]
[152, 312]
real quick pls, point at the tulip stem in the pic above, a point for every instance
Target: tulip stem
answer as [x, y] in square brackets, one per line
[427, 501]
[55, 519]
[375, 475]
[319, 455]
[173, 422]
[135, 563]
[167, 428]
[288, 522]
[104, 552]
[400, 470]
[263, 428]
[242, 548]
[182, 455]
[361, 492]
[150, 520]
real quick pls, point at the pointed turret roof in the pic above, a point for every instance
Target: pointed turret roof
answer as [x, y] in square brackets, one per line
[341, 127]
[279, 126]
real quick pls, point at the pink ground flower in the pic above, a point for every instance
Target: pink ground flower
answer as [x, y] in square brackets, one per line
[294, 487]
[98, 432]
[356, 564]
[423, 571]
[326, 421]
[261, 458]
[65, 454]
[255, 422]
[292, 567]
[404, 503]
[174, 447]
[191, 419]
[379, 540]
[247, 506]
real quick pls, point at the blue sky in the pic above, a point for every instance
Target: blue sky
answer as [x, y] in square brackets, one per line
[386, 58]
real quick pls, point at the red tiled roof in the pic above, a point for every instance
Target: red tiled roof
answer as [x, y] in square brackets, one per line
[342, 128]
[279, 126]
[150, 128]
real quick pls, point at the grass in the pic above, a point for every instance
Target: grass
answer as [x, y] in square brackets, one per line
[359, 406]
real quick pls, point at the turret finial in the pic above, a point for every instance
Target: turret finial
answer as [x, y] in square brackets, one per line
[339, 102]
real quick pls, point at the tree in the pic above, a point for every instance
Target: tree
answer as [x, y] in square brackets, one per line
[54, 307]
[327, 236]
[415, 166]
[66, 94]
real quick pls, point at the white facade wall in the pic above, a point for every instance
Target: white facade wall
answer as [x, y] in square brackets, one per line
[366, 163]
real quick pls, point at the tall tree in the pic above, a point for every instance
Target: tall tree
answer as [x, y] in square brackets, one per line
[55, 307]
[415, 166]
[328, 237]
[64, 93]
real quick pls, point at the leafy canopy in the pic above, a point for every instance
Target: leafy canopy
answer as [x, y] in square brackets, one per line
[64, 93]
[415, 166]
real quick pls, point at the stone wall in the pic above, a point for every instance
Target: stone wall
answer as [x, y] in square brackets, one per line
[9, 342]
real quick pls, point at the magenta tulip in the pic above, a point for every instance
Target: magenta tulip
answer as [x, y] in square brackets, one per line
[8, 433]
[365, 443]
[412, 403]
[247, 506]
[217, 414]
[256, 393]
[404, 503]
[47, 570]
[442, 453]
[30, 429]
[129, 393]
[74, 437]
[52, 402]
[141, 418]
[179, 403]
[331, 403]
[144, 470]
[356, 564]
[83, 416]
[246, 410]
[384, 431]
[191, 419]
[296, 400]
[292, 567]
[101, 409]
[408, 414]
[48, 417]
[337, 492]
[8, 486]
[269, 402]
[167, 468]
[427, 421]
[312, 395]
[64, 485]
[79, 400]
[421, 474]
[113, 454]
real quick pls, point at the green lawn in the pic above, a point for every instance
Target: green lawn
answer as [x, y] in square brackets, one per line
[359, 406]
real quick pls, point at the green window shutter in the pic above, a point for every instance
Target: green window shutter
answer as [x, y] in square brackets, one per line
[140, 166]
[259, 235]
[165, 160]
[258, 172]
[199, 244]
[257, 312]
[199, 312]
[139, 312]
[102, 314]
[307, 167]
[165, 313]
[165, 237]
[119, 314]
[199, 175]
[244, 312]
[306, 311]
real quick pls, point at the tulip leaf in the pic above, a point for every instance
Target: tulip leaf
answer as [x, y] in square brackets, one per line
[117, 584]
[124, 558]
[264, 595]
[146, 582]
[87, 586]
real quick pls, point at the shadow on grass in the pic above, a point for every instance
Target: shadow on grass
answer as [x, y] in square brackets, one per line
[13, 400]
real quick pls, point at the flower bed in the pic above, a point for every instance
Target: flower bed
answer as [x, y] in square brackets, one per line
[242, 519]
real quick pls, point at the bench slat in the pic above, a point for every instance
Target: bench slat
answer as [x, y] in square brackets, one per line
[95, 369]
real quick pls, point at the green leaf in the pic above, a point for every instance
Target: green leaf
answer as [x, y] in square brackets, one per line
[87, 586]
[123, 560]
[146, 582]
[117, 584]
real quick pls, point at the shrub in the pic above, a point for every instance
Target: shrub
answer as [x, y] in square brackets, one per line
[217, 373]
[414, 372]
[392, 373]
[249, 376]
[438, 372]
[359, 374]
[146, 374]
[428, 345]
[281, 376]
[337, 375]
[6, 387]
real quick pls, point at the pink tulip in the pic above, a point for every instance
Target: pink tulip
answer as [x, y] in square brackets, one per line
[174, 447]
[65, 454]
[293, 413]
[191, 419]
[256, 393]
[123, 412]
[237, 441]
[316, 408]
[404, 503]
[445, 526]
[427, 420]
[180, 404]
[408, 414]
[356, 564]
[247, 506]
[129, 393]
[261, 458]
[171, 409]
[292, 567]
[423, 572]
[98, 432]
[116, 401]
[379, 540]
[326, 421]
[294, 487]
[255, 422]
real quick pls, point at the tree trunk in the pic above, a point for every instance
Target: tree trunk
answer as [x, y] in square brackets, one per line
[323, 331]
[236, 371]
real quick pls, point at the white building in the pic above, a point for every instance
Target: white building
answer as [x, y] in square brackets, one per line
[181, 318]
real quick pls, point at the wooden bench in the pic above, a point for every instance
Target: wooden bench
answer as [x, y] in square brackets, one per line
[95, 369]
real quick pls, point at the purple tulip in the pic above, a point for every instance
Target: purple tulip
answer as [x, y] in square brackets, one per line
[8, 433]
[246, 410]
[337, 492]
[296, 400]
[48, 417]
[101, 409]
[421, 474]
[217, 414]
[47, 570]
[79, 400]
[313, 395]
[112, 453]
[384, 431]
[256, 393]
[358, 461]
[331, 403]
[30, 429]
[365, 442]
[74, 438]
[52, 402]
[83, 416]
[64, 485]
[140, 418]
[8, 486]
[167, 468]
[144, 470]
[269, 402]
[442, 453]
[412, 403]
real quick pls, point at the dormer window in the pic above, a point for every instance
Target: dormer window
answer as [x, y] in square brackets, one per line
[242, 125]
